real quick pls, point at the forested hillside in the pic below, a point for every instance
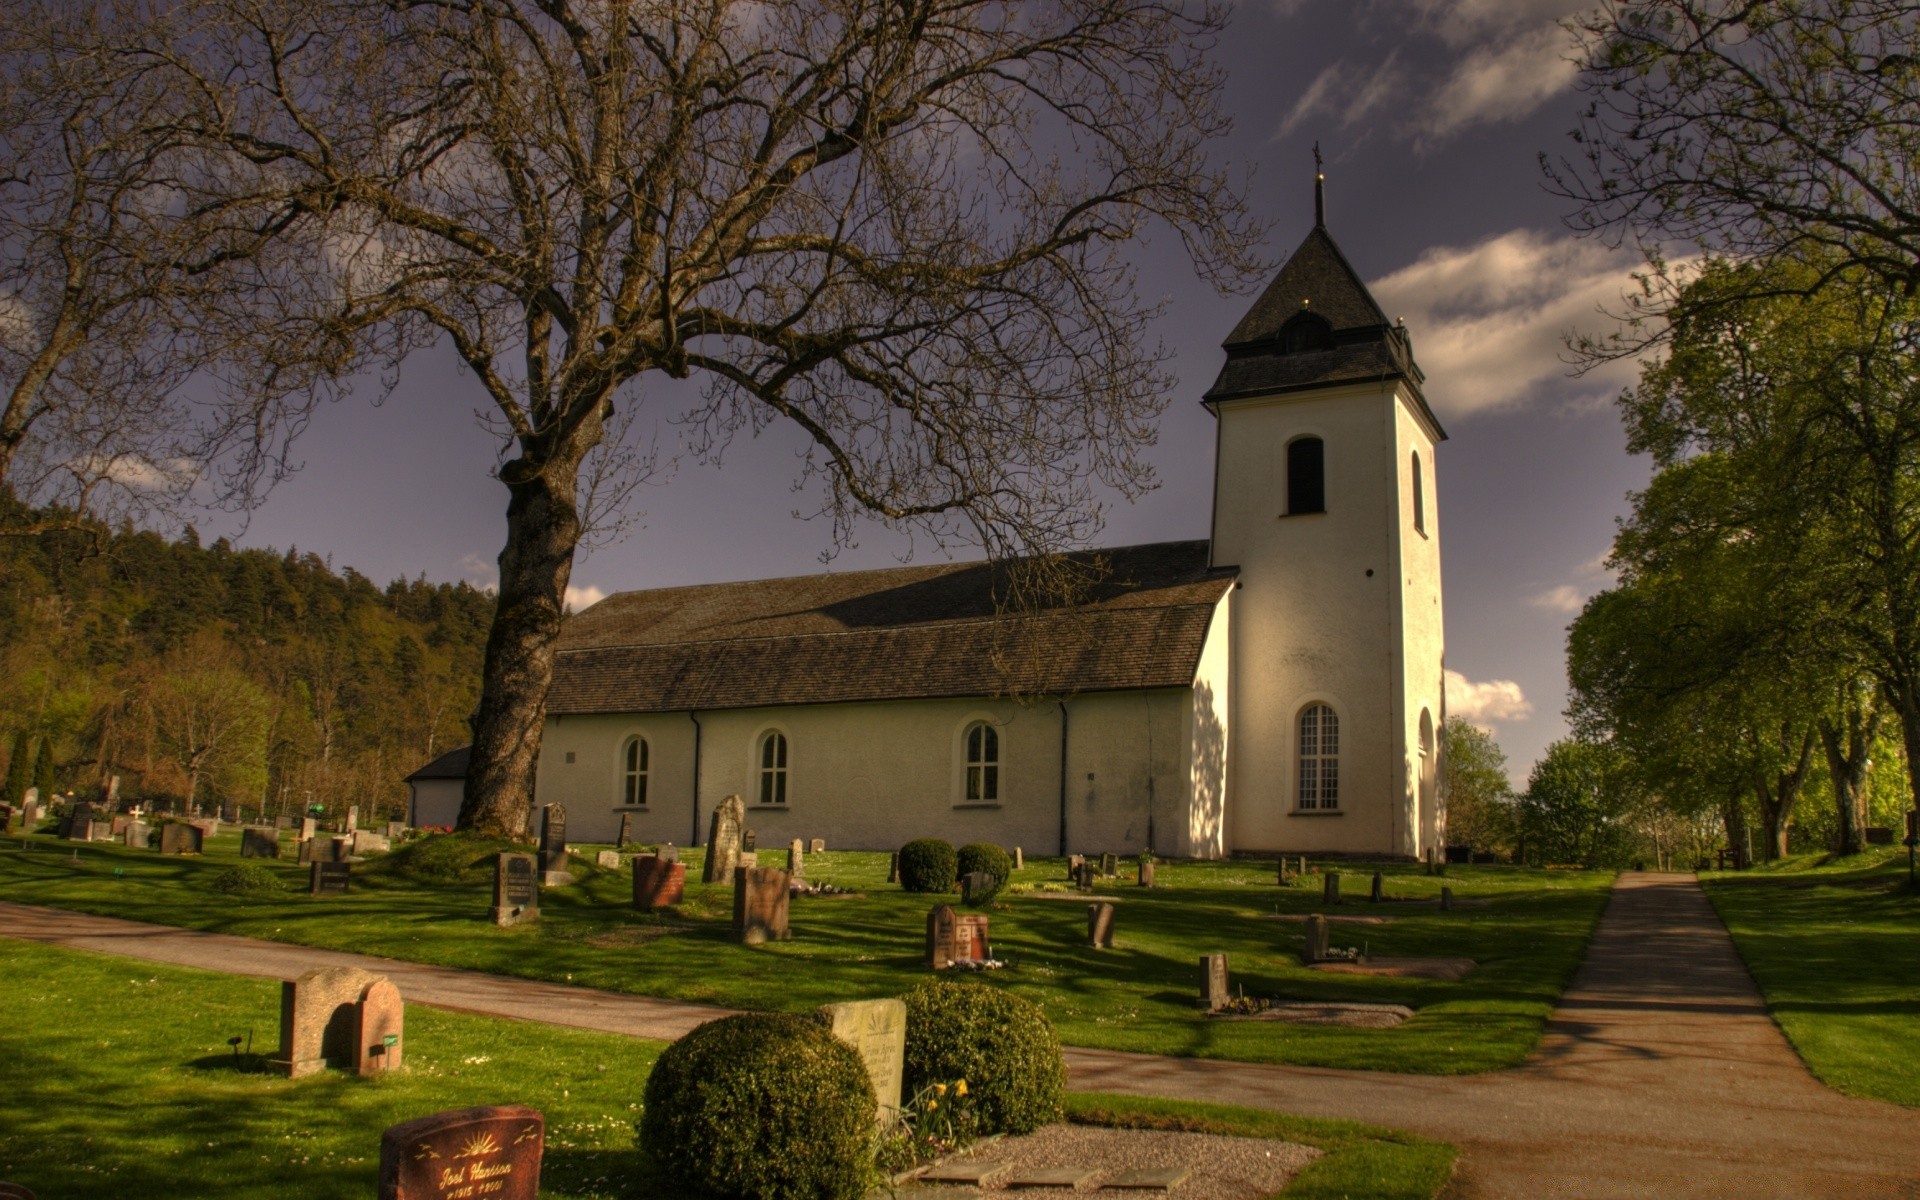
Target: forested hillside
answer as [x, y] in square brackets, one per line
[259, 677]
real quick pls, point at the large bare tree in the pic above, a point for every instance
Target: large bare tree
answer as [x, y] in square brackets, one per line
[900, 226]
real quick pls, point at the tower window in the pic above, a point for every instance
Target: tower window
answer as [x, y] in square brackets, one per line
[1319, 758]
[1419, 497]
[983, 763]
[1306, 476]
[773, 768]
[633, 772]
[1304, 332]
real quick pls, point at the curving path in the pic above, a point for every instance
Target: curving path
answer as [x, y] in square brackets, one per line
[1660, 1075]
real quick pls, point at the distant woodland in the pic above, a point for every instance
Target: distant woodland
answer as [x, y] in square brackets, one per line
[202, 674]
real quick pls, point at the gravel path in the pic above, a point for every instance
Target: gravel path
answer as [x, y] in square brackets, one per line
[1219, 1168]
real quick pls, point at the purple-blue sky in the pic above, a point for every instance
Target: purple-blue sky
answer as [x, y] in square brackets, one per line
[1431, 114]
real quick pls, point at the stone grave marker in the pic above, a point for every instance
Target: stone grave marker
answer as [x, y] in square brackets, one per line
[353, 818]
[668, 853]
[607, 860]
[1316, 939]
[746, 860]
[29, 813]
[259, 843]
[1146, 872]
[320, 1019]
[6, 817]
[747, 842]
[797, 858]
[329, 878]
[364, 841]
[553, 846]
[309, 828]
[977, 884]
[1086, 876]
[1074, 863]
[1213, 982]
[1100, 926]
[516, 891]
[178, 837]
[1109, 864]
[657, 882]
[877, 1030]
[119, 827]
[100, 831]
[136, 835]
[230, 813]
[723, 841]
[626, 830]
[78, 823]
[382, 1030]
[760, 897]
[208, 826]
[1446, 899]
[1379, 892]
[311, 850]
[956, 937]
[1019, 859]
[893, 868]
[283, 821]
[465, 1154]
[1330, 888]
[817, 846]
[396, 830]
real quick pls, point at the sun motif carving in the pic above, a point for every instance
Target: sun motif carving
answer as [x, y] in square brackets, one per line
[478, 1146]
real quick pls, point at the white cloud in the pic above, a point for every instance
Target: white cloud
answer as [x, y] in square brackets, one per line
[481, 572]
[583, 597]
[1343, 92]
[1503, 80]
[1564, 599]
[139, 474]
[1489, 320]
[1494, 700]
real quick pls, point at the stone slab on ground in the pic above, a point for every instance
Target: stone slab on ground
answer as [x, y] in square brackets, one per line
[1047, 1177]
[1059, 1162]
[1305, 1012]
[1449, 969]
[984, 1172]
[1076, 897]
[1158, 1179]
[1332, 918]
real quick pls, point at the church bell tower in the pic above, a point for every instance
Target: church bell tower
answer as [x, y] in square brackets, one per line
[1324, 498]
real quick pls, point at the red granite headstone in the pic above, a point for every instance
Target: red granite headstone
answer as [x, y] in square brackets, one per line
[657, 883]
[383, 1019]
[760, 897]
[469, 1153]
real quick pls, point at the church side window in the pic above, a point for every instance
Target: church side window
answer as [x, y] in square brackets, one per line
[983, 763]
[1306, 476]
[773, 768]
[1419, 496]
[1319, 758]
[633, 772]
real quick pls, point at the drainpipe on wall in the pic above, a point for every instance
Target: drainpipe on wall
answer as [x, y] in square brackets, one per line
[695, 718]
[1063, 778]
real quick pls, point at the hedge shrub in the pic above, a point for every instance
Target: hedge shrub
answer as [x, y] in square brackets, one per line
[1002, 1045]
[247, 879]
[762, 1106]
[983, 856]
[928, 865]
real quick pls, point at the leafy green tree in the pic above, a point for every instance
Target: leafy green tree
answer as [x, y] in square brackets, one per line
[1480, 800]
[1571, 811]
[43, 770]
[19, 770]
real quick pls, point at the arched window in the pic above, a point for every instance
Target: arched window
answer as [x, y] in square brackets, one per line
[773, 768]
[633, 772]
[1306, 331]
[1319, 758]
[983, 762]
[1306, 476]
[1419, 497]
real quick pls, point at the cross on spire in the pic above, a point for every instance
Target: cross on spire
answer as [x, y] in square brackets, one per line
[1319, 191]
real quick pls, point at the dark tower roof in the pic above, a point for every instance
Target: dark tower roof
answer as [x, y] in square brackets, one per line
[1317, 278]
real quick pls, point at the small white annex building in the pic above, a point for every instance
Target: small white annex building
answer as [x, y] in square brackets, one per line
[435, 791]
[1277, 687]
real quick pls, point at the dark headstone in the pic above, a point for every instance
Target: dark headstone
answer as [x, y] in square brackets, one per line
[1330, 888]
[1446, 899]
[309, 829]
[230, 813]
[326, 878]
[1379, 891]
[1213, 982]
[1019, 859]
[748, 840]
[516, 890]
[760, 896]
[1316, 939]
[626, 830]
[6, 817]
[1109, 864]
[489, 1152]
[320, 1019]
[77, 826]
[259, 843]
[382, 1030]
[119, 825]
[1146, 872]
[940, 936]
[1074, 863]
[723, 841]
[975, 886]
[1100, 926]
[1086, 876]
[553, 846]
[178, 837]
[657, 883]
[893, 868]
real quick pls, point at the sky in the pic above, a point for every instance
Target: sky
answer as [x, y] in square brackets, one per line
[1431, 115]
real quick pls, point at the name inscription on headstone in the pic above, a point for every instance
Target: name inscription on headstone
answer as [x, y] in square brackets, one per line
[466, 1154]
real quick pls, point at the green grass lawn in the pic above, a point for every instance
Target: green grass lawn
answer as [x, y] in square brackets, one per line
[1832, 944]
[117, 1082]
[1139, 996]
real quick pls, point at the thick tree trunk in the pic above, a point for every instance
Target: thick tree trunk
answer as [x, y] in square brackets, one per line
[543, 527]
[1734, 817]
[1907, 702]
[1847, 767]
[1777, 797]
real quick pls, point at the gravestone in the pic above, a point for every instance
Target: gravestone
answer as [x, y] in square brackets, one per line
[1109, 864]
[877, 1030]
[747, 843]
[1019, 860]
[329, 878]
[797, 859]
[1316, 939]
[1074, 863]
[516, 893]
[311, 850]
[760, 896]
[1446, 899]
[817, 846]
[259, 843]
[113, 790]
[363, 841]
[178, 837]
[607, 860]
[1086, 876]
[1379, 892]
[1100, 926]
[230, 813]
[723, 841]
[208, 826]
[308, 828]
[353, 818]
[626, 830]
[553, 846]
[119, 825]
[668, 853]
[955, 937]
[1146, 872]
[382, 1030]
[1213, 982]
[396, 830]
[29, 813]
[100, 831]
[77, 826]
[283, 821]
[6, 817]
[657, 882]
[335, 849]
[976, 885]
[491, 1152]
[893, 868]
[320, 1019]
[136, 835]
[746, 860]
[1330, 888]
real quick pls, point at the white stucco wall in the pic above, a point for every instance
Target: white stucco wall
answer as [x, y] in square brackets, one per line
[1209, 722]
[1422, 632]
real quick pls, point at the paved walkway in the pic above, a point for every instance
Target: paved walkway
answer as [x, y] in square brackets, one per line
[1660, 1075]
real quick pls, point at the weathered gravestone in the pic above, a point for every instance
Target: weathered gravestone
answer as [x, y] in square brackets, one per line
[329, 878]
[320, 1020]
[382, 1030]
[119, 825]
[308, 828]
[607, 860]
[668, 853]
[516, 895]
[1446, 899]
[353, 818]
[283, 821]
[760, 898]
[1146, 872]
[746, 860]
[136, 835]
[893, 868]
[553, 846]
[1379, 892]
[657, 882]
[877, 1030]
[259, 843]
[817, 846]
[466, 1154]
[1109, 864]
[956, 937]
[208, 826]
[797, 859]
[1100, 926]
[1316, 939]
[78, 823]
[29, 813]
[723, 841]
[1213, 982]
[626, 830]
[230, 813]
[1074, 863]
[1086, 876]
[1330, 888]
[100, 831]
[747, 840]
[396, 830]
[178, 837]
[364, 841]
[1019, 859]
[976, 886]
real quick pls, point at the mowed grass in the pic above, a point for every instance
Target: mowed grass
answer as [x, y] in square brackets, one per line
[118, 1082]
[1832, 944]
[1527, 936]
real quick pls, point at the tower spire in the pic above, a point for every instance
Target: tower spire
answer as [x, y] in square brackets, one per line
[1319, 191]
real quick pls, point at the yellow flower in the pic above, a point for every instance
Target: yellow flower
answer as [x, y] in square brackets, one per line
[960, 1089]
[932, 1104]
[939, 1089]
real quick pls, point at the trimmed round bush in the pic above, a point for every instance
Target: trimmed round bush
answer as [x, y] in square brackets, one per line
[247, 879]
[1002, 1045]
[983, 856]
[762, 1106]
[928, 865]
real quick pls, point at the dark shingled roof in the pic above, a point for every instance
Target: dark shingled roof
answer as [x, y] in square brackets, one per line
[451, 765]
[906, 633]
[1320, 275]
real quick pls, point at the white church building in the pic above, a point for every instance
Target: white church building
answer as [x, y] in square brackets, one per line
[1274, 688]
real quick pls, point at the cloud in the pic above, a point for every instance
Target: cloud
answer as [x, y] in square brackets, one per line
[1495, 700]
[583, 597]
[1564, 599]
[138, 473]
[1344, 92]
[478, 570]
[1489, 320]
[1502, 81]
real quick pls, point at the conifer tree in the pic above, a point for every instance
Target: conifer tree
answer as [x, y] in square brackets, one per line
[43, 771]
[19, 774]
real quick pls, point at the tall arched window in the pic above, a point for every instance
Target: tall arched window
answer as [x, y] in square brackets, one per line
[633, 772]
[1419, 496]
[1319, 757]
[1306, 476]
[983, 762]
[773, 768]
